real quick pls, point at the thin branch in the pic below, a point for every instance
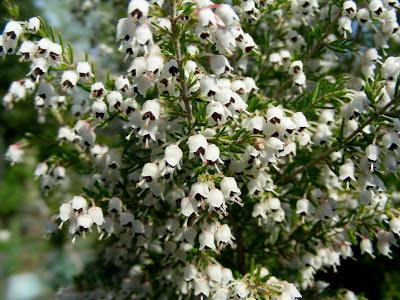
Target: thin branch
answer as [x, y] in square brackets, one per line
[182, 79]
[349, 139]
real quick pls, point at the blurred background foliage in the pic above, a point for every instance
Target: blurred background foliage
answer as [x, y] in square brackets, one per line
[34, 265]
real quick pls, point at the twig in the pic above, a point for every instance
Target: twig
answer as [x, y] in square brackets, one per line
[345, 141]
[182, 80]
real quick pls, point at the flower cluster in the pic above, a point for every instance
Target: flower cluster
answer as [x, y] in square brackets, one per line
[223, 154]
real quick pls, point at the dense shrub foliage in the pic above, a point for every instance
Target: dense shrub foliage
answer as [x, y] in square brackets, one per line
[235, 150]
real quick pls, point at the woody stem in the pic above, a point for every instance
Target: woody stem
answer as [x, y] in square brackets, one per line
[176, 39]
[349, 139]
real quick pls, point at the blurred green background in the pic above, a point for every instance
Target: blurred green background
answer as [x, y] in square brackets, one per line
[33, 265]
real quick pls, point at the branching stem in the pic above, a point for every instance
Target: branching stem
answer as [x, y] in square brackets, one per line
[179, 60]
[347, 140]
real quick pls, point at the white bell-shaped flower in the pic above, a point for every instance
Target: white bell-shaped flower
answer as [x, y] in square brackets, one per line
[45, 95]
[59, 173]
[129, 106]
[115, 100]
[125, 29]
[173, 155]
[199, 191]
[79, 204]
[214, 272]
[3, 47]
[84, 222]
[223, 235]
[189, 206]
[138, 67]
[371, 56]
[190, 272]
[138, 9]
[208, 86]
[296, 68]
[274, 115]
[367, 247]
[66, 212]
[34, 24]
[300, 80]
[256, 125]
[238, 104]
[38, 69]
[107, 227]
[189, 235]
[291, 291]
[350, 8]
[372, 152]
[122, 84]
[84, 70]
[275, 59]
[197, 144]
[285, 55]
[172, 225]
[43, 47]
[227, 15]
[66, 133]
[230, 188]
[27, 50]
[115, 205]
[47, 182]
[239, 86]
[99, 109]
[395, 225]
[300, 120]
[346, 171]
[345, 26]
[149, 133]
[55, 54]
[143, 35]
[201, 287]
[171, 68]
[216, 113]
[241, 290]
[303, 207]
[260, 210]
[390, 140]
[390, 28]
[363, 15]
[227, 276]
[150, 172]
[376, 8]
[69, 79]
[98, 91]
[207, 17]
[211, 155]
[165, 23]
[247, 44]
[274, 144]
[325, 211]
[126, 219]
[12, 31]
[385, 239]
[391, 68]
[41, 169]
[96, 214]
[151, 110]
[216, 200]
[219, 64]
[18, 90]
[206, 239]
[273, 204]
